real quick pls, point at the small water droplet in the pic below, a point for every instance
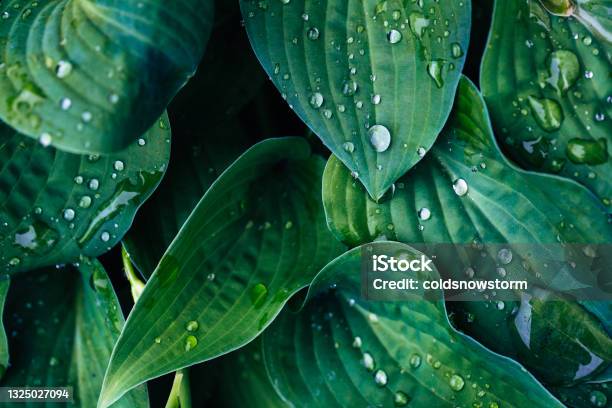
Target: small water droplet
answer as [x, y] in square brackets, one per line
[380, 378]
[313, 33]
[456, 382]
[65, 103]
[105, 236]
[348, 146]
[415, 361]
[368, 361]
[45, 139]
[118, 165]
[192, 326]
[434, 69]
[424, 214]
[394, 36]
[504, 256]
[316, 100]
[190, 342]
[401, 399]
[63, 69]
[69, 214]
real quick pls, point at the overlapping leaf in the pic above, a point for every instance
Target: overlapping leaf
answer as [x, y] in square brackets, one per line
[465, 192]
[91, 76]
[55, 206]
[257, 236]
[373, 79]
[546, 80]
[63, 331]
[343, 351]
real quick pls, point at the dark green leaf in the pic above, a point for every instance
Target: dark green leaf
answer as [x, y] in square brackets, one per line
[466, 192]
[343, 351]
[92, 76]
[62, 332]
[546, 80]
[586, 395]
[55, 206]
[257, 236]
[195, 164]
[373, 79]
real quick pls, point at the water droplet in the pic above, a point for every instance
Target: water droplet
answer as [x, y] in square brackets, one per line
[190, 342]
[45, 139]
[259, 293]
[380, 138]
[500, 305]
[456, 382]
[94, 184]
[415, 361]
[313, 33]
[380, 378]
[418, 22]
[564, 70]
[86, 116]
[65, 103]
[588, 74]
[504, 256]
[460, 186]
[401, 399]
[357, 342]
[582, 151]
[348, 146]
[598, 398]
[547, 113]
[63, 69]
[105, 236]
[434, 69]
[421, 151]
[113, 98]
[118, 165]
[192, 326]
[456, 50]
[211, 277]
[424, 214]
[394, 36]
[368, 361]
[349, 87]
[157, 340]
[69, 214]
[376, 99]
[316, 100]
[85, 202]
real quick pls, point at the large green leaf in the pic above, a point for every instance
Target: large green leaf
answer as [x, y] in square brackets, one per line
[466, 192]
[55, 206]
[90, 76]
[4, 356]
[257, 236]
[63, 331]
[343, 351]
[546, 80]
[373, 79]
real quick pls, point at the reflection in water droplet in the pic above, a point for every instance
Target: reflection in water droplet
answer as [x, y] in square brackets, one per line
[547, 113]
[190, 342]
[583, 151]
[564, 70]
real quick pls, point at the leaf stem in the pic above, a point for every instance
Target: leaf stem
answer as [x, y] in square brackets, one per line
[136, 284]
[180, 395]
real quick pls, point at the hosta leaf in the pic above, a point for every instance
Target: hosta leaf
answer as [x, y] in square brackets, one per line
[4, 356]
[62, 331]
[257, 236]
[586, 395]
[546, 80]
[90, 76]
[55, 206]
[373, 79]
[466, 192]
[343, 351]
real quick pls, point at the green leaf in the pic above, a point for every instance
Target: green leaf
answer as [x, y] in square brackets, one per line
[63, 331]
[546, 81]
[55, 206]
[373, 79]
[4, 355]
[257, 236]
[586, 395]
[91, 76]
[195, 164]
[343, 351]
[466, 192]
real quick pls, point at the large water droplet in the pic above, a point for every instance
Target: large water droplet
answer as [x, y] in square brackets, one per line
[456, 382]
[394, 36]
[564, 70]
[583, 151]
[418, 22]
[316, 100]
[380, 138]
[461, 187]
[547, 113]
